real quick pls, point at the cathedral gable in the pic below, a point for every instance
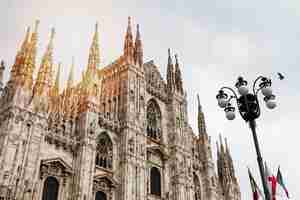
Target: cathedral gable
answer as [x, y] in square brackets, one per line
[105, 180]
[55, 167]
[155, 85]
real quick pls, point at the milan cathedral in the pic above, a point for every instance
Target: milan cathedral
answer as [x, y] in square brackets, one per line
[119, 133]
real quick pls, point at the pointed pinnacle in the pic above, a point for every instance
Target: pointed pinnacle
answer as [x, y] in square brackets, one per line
[50, 44]
[176, 58]
[57, 75]
[96, 32]
[96, 27]
[27, 32]
[199, 104]
[26, 40]
[71, 74]
[169, 57]
[129, 21]
[226, 146]
[37, 22]
[138, 31]
[221, 143]
[52, 33]
[129, 32]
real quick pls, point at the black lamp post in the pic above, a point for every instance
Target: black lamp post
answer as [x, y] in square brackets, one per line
[249, 109]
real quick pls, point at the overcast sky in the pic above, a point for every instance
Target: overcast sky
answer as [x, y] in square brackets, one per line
[216, 40]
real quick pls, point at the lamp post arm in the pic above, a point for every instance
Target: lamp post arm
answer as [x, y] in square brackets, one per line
[254, 85]
[231, 90]
[234, 96]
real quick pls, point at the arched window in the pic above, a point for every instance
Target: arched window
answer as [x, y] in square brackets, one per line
[197, 187]
[155, 181]
[100, 196]
[50, 191]
[153, 120]
[104, 156]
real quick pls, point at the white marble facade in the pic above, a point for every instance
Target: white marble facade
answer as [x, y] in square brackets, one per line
[128, 140]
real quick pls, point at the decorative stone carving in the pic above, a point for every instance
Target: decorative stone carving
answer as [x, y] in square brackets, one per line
[55, 167]
[104, 151]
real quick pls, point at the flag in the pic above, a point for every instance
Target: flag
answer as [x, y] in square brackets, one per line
[255, 189]
[281, 183]
[271, 182]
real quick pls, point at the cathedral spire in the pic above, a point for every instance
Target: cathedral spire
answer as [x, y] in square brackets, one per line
[18, 69]
[94, 54]
[201, 119]
[44, 77]
[128, 44]
[29, 62]
[138, 48]
[178, 78]
[170, 72]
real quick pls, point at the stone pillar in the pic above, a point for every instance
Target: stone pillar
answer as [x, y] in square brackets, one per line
[85, 159]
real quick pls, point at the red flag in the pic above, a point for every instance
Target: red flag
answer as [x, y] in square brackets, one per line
[271, 181]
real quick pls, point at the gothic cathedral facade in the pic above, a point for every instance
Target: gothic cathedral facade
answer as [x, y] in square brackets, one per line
[119, 133]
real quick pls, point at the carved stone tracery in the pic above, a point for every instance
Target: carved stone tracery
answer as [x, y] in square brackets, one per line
[104, 156]
[153, 120]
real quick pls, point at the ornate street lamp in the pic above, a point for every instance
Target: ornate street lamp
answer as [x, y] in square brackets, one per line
[249, 109]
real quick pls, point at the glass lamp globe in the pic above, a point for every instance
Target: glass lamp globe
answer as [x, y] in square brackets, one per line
[271, 103]
[230, 115]
[243, 90]
[267, 91]
[222, 102]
